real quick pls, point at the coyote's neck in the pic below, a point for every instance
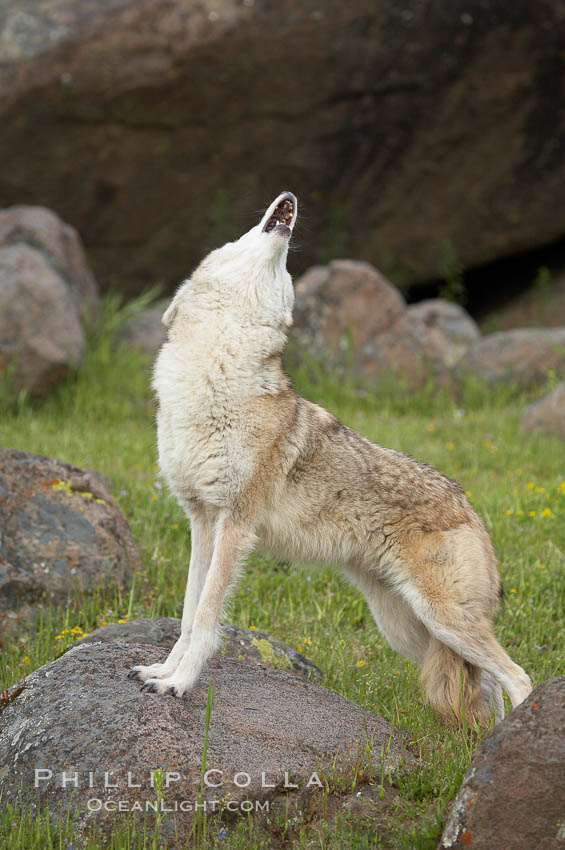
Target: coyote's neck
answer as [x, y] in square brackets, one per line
[219, 362]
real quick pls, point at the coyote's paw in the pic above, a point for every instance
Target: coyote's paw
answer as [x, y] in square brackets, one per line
[154, 671]
[164, 686]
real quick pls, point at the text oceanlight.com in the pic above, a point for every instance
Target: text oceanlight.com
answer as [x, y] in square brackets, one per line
[95, 804]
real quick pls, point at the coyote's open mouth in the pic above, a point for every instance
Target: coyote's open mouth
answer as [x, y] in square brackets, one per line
[283, 215]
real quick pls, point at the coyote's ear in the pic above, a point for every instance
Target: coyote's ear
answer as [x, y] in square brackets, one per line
[171, 311]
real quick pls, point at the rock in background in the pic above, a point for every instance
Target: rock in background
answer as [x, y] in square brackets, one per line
[513, 794]
[523, 357]
[348, 313]
[60, 531]
[547, 414]
[450, 326]
[146, 331]
[404, 127]
[81, 713]
[46, 293]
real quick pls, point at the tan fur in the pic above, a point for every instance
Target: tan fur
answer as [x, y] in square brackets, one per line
[255, 466]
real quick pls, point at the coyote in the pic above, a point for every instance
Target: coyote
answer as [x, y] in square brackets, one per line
[253, 465]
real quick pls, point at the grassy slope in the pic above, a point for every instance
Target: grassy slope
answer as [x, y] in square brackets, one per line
[104, 420]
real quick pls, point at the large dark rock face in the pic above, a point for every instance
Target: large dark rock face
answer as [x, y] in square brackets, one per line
[159, 127]
[81, 715]
[60, 532]
[513, 794]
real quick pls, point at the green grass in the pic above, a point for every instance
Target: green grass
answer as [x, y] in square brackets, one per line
[103, 419]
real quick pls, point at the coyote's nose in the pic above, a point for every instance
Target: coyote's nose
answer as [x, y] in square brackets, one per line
[281, 215]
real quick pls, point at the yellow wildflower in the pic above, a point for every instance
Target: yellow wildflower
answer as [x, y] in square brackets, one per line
[27, 659]
[253, 628]
[361, 663]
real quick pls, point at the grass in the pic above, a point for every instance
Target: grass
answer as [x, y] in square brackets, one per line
[103, 419]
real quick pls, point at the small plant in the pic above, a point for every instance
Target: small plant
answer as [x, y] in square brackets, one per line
[542, 288]
[200, 823]
[451, 272]
[223, 225]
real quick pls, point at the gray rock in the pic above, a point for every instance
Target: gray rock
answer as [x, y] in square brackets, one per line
[46, 291]
[523, 356]
[547, 414]
[60, 532]
[146, 331]
[41, 336]
[246, 644]
[513, 794]
[81, 713]
[450, 326]
[61, 246]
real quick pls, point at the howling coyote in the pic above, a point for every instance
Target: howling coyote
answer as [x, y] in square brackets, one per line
[255, 466]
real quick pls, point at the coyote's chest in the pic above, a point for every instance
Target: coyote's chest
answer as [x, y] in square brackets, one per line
[201, 430]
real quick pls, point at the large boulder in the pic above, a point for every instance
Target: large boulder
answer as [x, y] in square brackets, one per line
[250, 645]
[407, 129]
[81, 714]
[547, 414]
[46, 293]
[513, 794]
[523, 357]
[348, 314]
[60, 532]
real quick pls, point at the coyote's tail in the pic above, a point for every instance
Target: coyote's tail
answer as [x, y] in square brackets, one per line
[453, 686]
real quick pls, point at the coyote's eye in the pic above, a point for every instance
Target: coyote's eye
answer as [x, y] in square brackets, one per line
[282, 215]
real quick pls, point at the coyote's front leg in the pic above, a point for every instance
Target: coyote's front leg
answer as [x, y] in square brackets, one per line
[233, 541]
[202, 547]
